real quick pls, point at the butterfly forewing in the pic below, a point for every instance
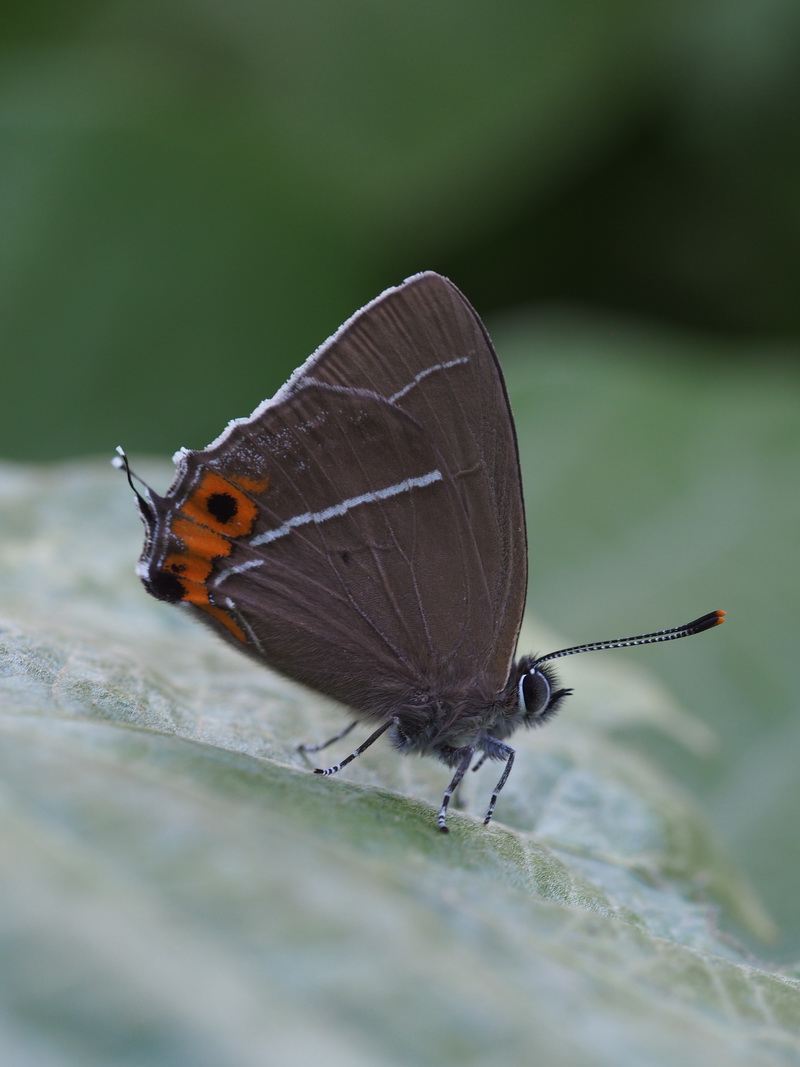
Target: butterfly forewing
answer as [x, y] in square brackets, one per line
[423, 347]
[380, 544]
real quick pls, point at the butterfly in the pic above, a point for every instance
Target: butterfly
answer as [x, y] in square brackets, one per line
[363, 533]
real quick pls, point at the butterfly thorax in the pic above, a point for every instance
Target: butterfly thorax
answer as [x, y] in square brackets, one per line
[442, 726]
[448, 722]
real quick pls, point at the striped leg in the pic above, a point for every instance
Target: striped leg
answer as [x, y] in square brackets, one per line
[461, 770]
[509, 753]
[361, 748]
[330, 741]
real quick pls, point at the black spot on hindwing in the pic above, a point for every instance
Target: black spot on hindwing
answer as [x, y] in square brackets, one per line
[222, 507]
[165, 585]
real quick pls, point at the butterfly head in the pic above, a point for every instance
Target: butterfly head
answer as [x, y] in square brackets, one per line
[538, 694]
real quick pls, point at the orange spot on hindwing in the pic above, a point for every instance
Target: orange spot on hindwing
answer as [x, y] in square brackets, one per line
[221, 505]
[207, 525]
[201, 543]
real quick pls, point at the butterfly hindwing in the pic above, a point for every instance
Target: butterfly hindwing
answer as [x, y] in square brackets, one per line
[363, 532]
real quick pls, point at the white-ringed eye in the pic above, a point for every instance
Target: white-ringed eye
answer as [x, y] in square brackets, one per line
[534, 692]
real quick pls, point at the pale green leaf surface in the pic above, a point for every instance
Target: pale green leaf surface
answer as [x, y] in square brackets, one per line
[180, 889]
[662, 479]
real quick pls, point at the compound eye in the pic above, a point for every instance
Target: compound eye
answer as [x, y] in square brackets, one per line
[534, 692]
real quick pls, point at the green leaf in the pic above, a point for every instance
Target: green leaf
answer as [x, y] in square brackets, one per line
[179, 889]
[661, 481]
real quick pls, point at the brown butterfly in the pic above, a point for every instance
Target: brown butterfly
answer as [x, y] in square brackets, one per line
[363, 533]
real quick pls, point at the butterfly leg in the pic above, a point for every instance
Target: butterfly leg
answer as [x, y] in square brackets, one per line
[480, 762]
[508, 752]
[361, 748]
[461, 770]
[330, 741]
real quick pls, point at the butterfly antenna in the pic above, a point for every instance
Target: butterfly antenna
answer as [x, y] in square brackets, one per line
[705, 622]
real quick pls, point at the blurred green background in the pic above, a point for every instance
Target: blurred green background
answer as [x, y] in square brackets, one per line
[194, 196]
